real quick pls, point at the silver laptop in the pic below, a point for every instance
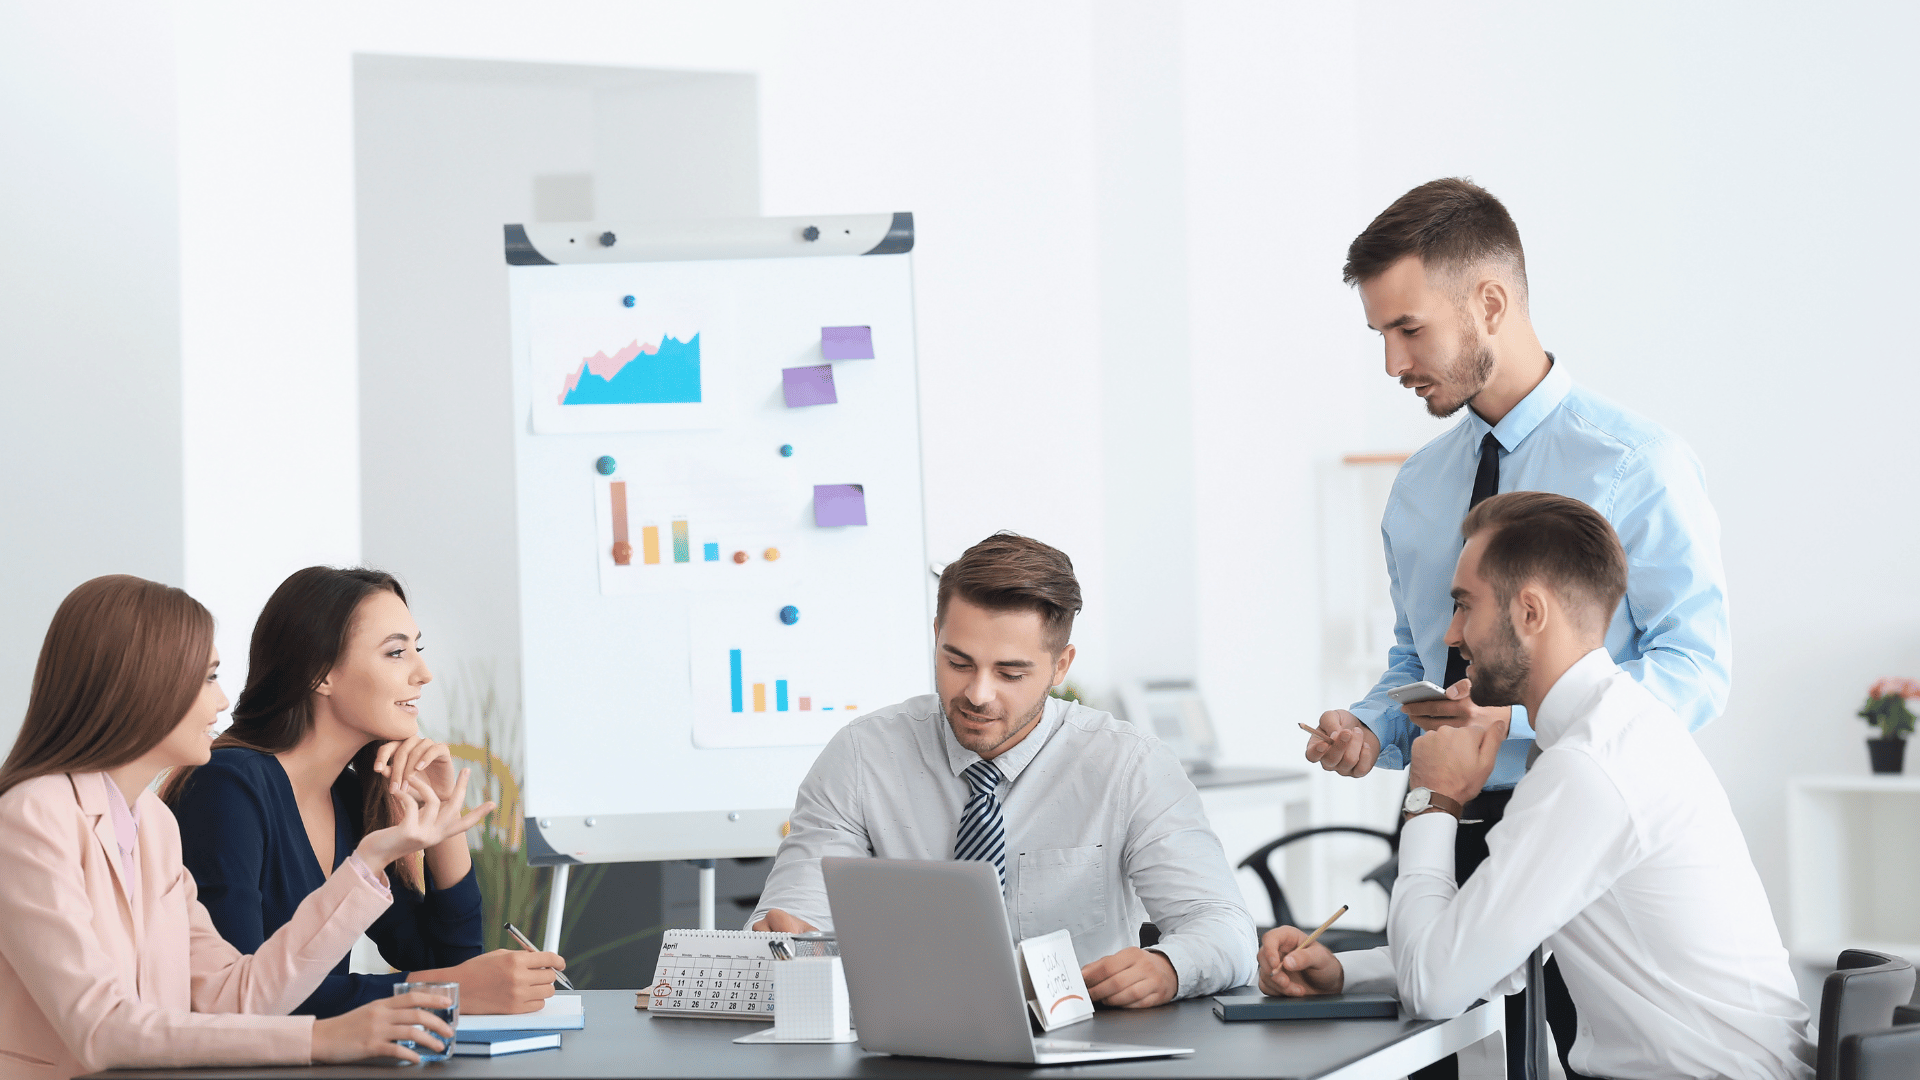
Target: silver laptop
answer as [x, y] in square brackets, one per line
[930, 965]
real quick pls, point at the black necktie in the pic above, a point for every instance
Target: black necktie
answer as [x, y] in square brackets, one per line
[1486, 481]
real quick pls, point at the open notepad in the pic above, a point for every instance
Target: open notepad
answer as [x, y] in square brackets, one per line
[562, 1012]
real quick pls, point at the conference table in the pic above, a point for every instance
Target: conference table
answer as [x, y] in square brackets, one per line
[622, 1041]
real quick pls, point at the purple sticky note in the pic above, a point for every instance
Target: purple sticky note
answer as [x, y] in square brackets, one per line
[839, 504]
[846, 342]
[808, 385]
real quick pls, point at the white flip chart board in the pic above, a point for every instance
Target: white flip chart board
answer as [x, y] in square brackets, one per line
[722, 547]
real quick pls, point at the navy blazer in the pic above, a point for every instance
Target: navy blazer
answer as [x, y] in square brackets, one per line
[242, 837]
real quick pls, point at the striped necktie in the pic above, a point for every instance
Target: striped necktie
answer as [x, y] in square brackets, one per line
[983, 831]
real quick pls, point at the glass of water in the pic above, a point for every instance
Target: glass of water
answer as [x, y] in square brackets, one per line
[451, 1014]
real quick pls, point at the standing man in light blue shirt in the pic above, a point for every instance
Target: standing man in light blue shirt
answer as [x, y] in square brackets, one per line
[1442, 278]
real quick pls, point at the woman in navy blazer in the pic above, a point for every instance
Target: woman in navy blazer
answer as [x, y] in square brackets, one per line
[326, 727]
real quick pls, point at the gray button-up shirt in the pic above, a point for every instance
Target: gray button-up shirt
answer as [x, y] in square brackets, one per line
[1104, 832]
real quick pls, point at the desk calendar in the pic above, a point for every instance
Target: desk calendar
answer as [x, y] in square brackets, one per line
[716, 973]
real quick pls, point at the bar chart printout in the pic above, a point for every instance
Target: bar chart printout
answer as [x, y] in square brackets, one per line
[748, 696]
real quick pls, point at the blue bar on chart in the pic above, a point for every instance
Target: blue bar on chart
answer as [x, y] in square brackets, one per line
[711, 552]
[733, 659]
[780, 695]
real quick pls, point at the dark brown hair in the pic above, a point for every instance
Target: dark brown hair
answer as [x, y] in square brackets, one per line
[1454, 225]
[300, 635]
[1561, 542]
[1009, 572]
[123, 661]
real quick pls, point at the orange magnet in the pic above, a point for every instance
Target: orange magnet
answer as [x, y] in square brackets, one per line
[740, 556]
[771, 554]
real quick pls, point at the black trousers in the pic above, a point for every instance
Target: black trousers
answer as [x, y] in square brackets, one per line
[1469, 851]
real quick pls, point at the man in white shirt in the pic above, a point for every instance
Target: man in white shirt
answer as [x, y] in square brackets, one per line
[1619, 850]
[1092, 824]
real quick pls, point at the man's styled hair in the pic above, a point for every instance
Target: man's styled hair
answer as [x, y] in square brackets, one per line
[1561, 542]
[1009, 572]
[1454, 225]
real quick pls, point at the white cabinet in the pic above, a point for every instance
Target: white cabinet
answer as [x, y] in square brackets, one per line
[1853, 851]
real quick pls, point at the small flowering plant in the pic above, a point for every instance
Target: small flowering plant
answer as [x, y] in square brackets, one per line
[1886, 707]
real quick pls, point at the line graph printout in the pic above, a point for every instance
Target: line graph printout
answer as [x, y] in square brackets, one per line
[602, 366]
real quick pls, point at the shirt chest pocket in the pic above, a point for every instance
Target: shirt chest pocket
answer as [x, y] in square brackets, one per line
[1063, 888]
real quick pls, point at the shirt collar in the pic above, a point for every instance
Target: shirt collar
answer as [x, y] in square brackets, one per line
[126, 820]
[1011, 762]
[1569, 695]
[1513, 428]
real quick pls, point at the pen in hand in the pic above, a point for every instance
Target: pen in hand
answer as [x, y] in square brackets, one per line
[1315, 936]
[558, 976]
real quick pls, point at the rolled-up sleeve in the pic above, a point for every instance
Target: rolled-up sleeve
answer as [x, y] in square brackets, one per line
[1179, 871]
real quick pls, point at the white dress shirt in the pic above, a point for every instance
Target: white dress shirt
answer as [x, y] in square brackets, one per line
[1104, 832]
[1620, 852]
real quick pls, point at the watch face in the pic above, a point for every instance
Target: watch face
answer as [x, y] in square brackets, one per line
[1418, 799]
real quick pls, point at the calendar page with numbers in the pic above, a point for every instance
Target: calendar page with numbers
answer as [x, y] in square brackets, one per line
[725, 974]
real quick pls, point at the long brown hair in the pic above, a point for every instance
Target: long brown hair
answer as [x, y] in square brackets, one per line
[300, 635]
[123, 661]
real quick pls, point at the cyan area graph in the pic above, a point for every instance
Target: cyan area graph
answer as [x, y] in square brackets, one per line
[663, 374]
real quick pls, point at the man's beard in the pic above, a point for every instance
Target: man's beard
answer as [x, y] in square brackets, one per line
[957, 706]
[1466, 376]
[1500, 674]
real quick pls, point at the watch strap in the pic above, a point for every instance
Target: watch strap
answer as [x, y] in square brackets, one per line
[1438, 803]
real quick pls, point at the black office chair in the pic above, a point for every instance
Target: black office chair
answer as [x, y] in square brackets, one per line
[1858, 999]
[1893, 1054]
[1337, 939]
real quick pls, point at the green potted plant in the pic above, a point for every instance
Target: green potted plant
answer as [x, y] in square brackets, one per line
[1886, 709]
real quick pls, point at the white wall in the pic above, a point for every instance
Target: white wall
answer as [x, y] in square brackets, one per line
[1714, 200]
[1716, 205]
[90, 425]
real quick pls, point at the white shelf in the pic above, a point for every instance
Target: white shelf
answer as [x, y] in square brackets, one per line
[1853, 864]
[1879, 783]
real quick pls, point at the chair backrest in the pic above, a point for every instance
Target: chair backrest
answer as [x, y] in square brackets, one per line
[1858, 998]
[1892, 1054]
[1277, 896]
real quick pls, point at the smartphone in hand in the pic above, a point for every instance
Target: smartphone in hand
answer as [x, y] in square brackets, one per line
[1419, 691]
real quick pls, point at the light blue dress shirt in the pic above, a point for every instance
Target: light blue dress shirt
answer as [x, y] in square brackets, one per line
[1671, 634]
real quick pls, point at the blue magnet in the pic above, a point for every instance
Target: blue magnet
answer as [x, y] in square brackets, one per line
[786, 449]
[626, 301]
[789, 614]
[605, 465]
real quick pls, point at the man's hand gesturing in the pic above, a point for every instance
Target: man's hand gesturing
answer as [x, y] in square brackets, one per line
[1348, 747]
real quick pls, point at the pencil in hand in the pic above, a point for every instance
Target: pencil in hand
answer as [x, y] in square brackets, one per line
[1315, 936]
[1315, 732]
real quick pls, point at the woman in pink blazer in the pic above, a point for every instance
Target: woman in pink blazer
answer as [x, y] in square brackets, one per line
[107, 958]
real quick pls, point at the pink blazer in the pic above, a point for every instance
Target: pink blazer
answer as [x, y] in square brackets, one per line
[94, 977]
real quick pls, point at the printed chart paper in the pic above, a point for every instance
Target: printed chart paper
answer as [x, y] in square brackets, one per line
[600, 366]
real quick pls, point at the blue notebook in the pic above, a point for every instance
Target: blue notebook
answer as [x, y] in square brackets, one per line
[497, 1043]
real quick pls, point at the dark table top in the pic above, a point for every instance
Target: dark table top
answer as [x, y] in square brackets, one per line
[621, 1041]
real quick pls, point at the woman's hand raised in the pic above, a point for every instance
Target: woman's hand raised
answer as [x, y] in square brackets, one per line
[418, 755]
[425, 820]
[372, 1030]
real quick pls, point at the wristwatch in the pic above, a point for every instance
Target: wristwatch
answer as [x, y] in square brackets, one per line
[1427, 801]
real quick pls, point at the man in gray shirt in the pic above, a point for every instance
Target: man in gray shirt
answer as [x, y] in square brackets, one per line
[1093, 826]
